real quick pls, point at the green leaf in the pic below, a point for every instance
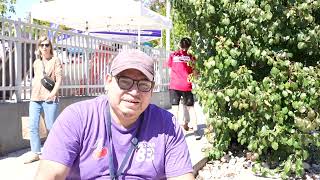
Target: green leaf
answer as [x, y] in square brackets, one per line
[235, 104]
[305, 154]
[291, 114]
[271, 138]
[250, 147]
[233, 63]
[233, 75]
[287, 166]
[274, 71]
[296, 145]
[284, 93]
[285, 110]
[220, 94]
[230, 92]
[210, 63]
[242, 141]
[267, 116]
[274, 145]
[225, 21]
[290, 142]
[301, 45]
[230, 125]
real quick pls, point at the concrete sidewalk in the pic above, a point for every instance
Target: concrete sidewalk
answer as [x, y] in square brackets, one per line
[12, 167]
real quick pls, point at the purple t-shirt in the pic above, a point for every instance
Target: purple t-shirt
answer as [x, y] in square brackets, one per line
[79, 140]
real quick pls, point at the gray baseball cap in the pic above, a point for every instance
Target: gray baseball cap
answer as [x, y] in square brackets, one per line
[133, 59]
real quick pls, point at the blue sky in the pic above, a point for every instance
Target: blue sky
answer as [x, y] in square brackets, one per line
[22, 7]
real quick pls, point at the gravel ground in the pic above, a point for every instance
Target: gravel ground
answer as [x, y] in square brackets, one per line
[239, 166]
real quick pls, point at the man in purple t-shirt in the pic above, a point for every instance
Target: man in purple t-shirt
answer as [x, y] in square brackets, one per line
[120, 135]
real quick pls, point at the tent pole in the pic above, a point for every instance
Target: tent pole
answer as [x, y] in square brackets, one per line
[161, 40]
[139, 26]
[139, 35]
[168, 8]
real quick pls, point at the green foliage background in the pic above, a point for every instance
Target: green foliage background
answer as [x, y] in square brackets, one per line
[7, 6]
[259, 77]
[176, 33]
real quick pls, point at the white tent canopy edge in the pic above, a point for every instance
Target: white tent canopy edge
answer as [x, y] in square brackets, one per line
[100, 15]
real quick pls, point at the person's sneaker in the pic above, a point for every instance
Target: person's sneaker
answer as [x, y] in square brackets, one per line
[30, 157]
[197, 135]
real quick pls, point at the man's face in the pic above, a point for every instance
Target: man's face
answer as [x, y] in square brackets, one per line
[128, 104]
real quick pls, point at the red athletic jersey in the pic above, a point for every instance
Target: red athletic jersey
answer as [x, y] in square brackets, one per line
[178, 62]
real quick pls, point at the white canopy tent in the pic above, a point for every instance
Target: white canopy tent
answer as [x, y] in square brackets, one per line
[128, 35]
[119, 36]
[100, 15]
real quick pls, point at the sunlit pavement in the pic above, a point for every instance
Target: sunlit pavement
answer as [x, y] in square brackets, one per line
[12, 167]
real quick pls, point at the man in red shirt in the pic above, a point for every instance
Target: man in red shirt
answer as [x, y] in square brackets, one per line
[180, 63]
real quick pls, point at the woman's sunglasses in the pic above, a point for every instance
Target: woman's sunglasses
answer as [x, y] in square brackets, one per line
[44, 45]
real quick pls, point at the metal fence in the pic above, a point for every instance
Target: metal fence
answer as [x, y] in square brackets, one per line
[84, 59]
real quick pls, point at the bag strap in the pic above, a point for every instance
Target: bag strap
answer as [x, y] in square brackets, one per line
[134, 145]
[43, 69]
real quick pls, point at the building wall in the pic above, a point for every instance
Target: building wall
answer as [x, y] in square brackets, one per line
[11, 120]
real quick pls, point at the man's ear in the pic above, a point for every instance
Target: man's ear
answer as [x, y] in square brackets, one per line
[108, 80]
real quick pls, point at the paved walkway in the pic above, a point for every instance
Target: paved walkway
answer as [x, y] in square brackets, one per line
[12, 167]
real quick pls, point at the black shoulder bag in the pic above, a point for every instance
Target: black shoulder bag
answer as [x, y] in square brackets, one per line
[46, 81]
[114, 175]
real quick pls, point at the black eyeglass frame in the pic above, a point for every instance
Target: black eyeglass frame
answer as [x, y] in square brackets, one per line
[134, 82]
[45, 45]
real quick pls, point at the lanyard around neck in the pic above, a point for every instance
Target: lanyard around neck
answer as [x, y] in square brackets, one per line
[134, 145]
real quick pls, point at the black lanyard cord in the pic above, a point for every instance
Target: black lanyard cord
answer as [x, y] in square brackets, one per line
[134, 145]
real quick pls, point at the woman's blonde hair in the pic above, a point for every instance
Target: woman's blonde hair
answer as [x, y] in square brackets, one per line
[41, 39]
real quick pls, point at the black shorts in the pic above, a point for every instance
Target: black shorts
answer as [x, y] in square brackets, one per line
[175, 96]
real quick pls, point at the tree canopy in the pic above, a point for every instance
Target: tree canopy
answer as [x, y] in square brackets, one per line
[7, 6]
[259, 76]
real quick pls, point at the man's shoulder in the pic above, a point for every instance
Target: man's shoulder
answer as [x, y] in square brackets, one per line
[92, 103]
[84, 112]
[161, 121]
[157, 112]
[156, 109]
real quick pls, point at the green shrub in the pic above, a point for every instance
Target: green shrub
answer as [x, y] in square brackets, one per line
[259, 75]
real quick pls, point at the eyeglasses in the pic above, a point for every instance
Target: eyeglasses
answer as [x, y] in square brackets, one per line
[126, 83]
[44, 45]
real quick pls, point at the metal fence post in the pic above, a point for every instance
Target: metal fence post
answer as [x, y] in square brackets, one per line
[18, 60]
[87, 64]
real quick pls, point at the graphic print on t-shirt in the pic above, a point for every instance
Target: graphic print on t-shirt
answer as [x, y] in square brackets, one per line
[145, 152]
[99, 151]
[181, 58]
